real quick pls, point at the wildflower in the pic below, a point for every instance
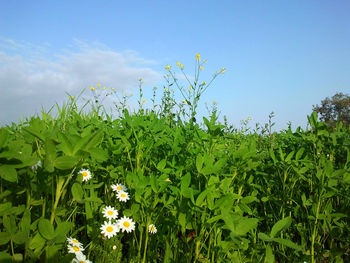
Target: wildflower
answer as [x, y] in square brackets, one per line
[203, 83]
[201, 67]
[74, 249]
[167, 180]
[35, 166]
[178, 64]
[104, 88]
[92, 88]
[165, 90]
[191, 87]
[110, 212]
[112, 89]
[185, 101]
[144, 101]
[198, 57]
[249, 118]
[168, 67]
[114, 247]
[86, 175]
[98, 84]
[126, 224]
[119, 187]
[223, 70]
[152, 229]
[74, 242]
[122, 196]
[140, 79]
[80, 258]
[109, 230]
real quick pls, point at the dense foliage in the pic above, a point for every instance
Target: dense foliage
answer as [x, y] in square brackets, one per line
[206, 193]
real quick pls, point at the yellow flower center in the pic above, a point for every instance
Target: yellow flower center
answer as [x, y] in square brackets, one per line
[152, 228]
[119, 188]
[109, 229]
[110, 212]
[75, 241]
[76, 249]
[85, 174]
[126, 224]
[123, 195]
[82, 261]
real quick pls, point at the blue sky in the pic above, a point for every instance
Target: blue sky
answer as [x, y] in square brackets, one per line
[281, 56]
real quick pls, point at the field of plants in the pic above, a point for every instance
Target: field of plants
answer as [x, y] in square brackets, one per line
[154, 185]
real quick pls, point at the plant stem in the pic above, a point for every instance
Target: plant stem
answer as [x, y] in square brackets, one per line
[145, 249]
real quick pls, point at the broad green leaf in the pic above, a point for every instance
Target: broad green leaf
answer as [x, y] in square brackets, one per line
[37, 242]
[66, 162]
[280, 226]
[182, 220]
[154, 184]
[249, 199]
[21, 237]
[62, 230]
[185, 182]
[98, 154]
[46, 229]
[299, 154]
[8, 173]
[4, 238]
[245, 225]
[5, 257]
[9, 223]
[161, 165]
[77, 191]
[66, 145]
[289, 156]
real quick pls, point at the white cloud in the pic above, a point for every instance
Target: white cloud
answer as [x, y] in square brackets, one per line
[31, 78]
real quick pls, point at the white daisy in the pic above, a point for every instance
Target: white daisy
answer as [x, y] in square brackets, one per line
[119, 187]
[74, 242]
[86, 174]
[110, 212]
[74, 249]
[152, 229]
[126, 224]
[80, 258]
[109, 230]
[122, 196]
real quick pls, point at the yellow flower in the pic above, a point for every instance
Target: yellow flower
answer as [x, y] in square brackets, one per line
[191, 87]
[185, 101]
[98, 84]
[201, 67]
[165, 90]
[144, 101]
[113, 89]
[178, 64]
[104, 88]
[203, 83]
[167, 180]
[249, 118]
[168, 67]
[198, 57]
[140, 79]
[92, 88]
[223, 70]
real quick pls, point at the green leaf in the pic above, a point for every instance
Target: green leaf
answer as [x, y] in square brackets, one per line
[199, 162]
[280, 226]
[182, 220]
[66, 162]
[201, 197]
[9, 223]
[62, 230]
[98, 154]
[154, 184]
[46, 229]
[287, 243]
[245, 225]
[8, 173]
[264, 237]
[185, 183]
[249, 199]
[289, 156]
[21, 237]
[269, 257]
[4, 238]
[77, 191]
[299, 154]
[5, 257]
[161, 165]
[37, 242]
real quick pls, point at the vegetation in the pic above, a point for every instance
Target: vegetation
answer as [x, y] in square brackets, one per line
[207, 193]
[335, 109]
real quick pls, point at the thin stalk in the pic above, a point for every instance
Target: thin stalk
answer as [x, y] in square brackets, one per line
[145, 249]
[314, 233]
